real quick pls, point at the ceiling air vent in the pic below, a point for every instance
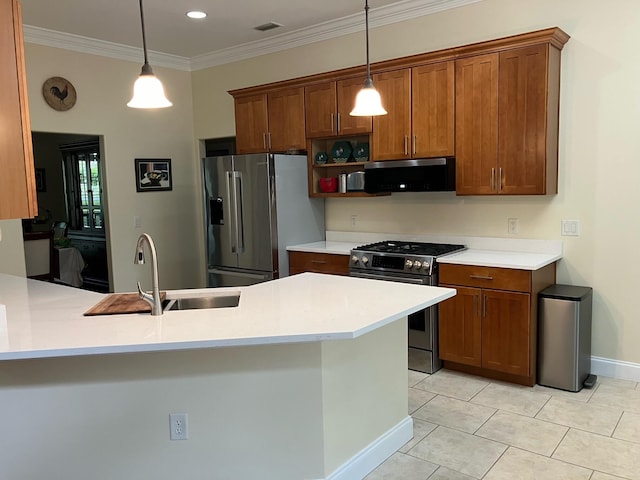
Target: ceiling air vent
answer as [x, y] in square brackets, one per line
[267, 26]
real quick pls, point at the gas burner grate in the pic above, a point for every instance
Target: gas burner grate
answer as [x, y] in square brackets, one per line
[411, 248]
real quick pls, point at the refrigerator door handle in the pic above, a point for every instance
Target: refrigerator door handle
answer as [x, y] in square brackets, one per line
[231, 212]
[239, 212]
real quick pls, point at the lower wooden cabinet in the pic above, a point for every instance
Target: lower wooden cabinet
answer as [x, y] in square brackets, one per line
[490, 327]
[318, 262]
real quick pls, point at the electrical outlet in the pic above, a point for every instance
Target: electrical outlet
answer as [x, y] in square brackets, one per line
[179, 426]
[137, 221]
[353, 220]
[513, 225]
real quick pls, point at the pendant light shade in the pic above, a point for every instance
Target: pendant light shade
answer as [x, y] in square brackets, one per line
[368, 101]
[148, 91]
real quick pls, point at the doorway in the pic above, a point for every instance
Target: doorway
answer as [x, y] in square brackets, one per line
[71, 199]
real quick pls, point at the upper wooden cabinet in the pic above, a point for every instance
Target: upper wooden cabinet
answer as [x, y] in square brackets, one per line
[327, 109]
[507, 122]
[420, 118]
[17, 182]
[270, 122]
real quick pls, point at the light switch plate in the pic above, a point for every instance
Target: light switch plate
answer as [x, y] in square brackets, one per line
[570, 228]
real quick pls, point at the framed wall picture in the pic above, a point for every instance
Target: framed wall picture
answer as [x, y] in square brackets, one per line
[153, 174]
[41, 180]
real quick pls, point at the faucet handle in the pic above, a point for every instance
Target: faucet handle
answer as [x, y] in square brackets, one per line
[144, 295]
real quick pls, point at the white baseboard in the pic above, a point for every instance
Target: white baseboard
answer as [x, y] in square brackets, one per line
[366, 460]
[615, 368]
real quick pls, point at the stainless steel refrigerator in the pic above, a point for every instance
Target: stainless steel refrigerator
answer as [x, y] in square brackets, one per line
[255, 206]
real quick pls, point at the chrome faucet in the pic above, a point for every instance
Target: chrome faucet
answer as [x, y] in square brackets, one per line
[154, 299]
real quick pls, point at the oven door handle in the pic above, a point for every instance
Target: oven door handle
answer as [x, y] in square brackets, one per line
[391, 278]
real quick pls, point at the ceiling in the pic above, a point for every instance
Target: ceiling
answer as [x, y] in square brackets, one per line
[228, 26]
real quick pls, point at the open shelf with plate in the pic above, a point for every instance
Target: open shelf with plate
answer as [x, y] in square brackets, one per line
[329, 157]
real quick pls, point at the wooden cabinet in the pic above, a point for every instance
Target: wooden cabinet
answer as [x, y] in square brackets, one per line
[420, 119]
[507, 122]
[490, 327]
[327, 109]
[17, 182]
[270, 122]
[318, 262]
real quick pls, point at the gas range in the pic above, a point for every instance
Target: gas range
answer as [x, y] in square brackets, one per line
[414, 259]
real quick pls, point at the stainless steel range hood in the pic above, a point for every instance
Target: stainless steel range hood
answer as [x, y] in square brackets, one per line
[415, 175]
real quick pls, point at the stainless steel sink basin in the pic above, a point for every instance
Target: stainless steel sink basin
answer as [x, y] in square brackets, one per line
[231, 299]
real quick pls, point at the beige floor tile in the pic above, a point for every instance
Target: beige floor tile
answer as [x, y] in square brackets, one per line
[415, 377]
[420, 430]
[418, 398]
[616, 396]
[628, 428]
[524, 432]
[454, 413]
[604, 454]
[604, 476]
[616, 382]
[402, 467]
[452, 384]
[512, 399]
[444, 473]
[518, 464]
[584, 416]
[459, 451]
[582, 396]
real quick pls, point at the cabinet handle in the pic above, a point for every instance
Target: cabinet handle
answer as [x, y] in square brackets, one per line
[406, 147]
[322, 262]
[500, 179]
[480, 277]
[264, 140]
[415, 141]
[484, 306]
[332, 127]
[493, 174]
[338, 122]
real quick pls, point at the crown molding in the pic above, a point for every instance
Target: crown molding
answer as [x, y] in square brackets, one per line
[379, 17]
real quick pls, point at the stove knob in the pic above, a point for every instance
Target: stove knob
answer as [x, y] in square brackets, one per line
[417, 264]
[408, 263]
[425, 265]
[364, 260]
[354, 259]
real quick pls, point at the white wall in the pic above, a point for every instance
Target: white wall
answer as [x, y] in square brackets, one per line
[599, 143]
[104, 86]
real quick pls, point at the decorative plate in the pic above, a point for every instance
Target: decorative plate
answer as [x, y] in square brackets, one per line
[361, 152]
[341, 151]
[59, 93]
[321, 158]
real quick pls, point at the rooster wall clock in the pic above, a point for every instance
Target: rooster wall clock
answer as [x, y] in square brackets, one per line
[59, 93]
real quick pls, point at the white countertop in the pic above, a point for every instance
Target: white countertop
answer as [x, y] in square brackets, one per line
[522, 254]
[45, 320]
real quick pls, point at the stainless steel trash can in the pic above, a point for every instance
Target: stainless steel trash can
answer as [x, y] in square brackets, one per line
[564, 337]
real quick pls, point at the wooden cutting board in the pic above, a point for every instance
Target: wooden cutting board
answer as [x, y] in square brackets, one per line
[122, 303]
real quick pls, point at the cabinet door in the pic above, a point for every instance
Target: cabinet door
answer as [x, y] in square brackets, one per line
[522, 124]
[17, 181]
[460, 327]
[506, 332]
[251, 124]
[320, 114]
[391, 132]
[319, 263]
[477, 125]
[346, 92]
[432, 110]
[286, 120]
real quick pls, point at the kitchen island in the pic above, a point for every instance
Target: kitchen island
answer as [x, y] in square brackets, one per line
[305, 379]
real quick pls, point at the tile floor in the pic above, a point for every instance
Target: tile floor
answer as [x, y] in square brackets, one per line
[468, 427]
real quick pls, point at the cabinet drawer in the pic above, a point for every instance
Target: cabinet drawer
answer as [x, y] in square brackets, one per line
[486, 277]
[318, 263]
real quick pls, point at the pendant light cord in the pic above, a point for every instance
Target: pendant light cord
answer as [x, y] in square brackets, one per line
[144, 39]
[366, 19]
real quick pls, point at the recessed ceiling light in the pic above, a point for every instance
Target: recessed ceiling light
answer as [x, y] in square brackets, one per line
[196, 14]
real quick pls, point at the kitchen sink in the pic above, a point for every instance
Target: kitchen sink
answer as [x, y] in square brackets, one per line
[222, 300]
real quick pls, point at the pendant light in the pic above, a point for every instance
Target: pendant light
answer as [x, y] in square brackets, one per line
[148, 91]
[368, 101]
